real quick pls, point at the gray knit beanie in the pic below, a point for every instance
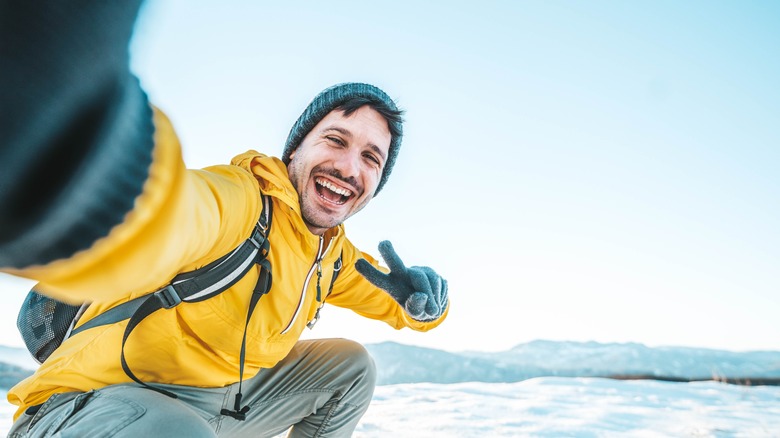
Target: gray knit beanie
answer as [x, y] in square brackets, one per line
[335, 96]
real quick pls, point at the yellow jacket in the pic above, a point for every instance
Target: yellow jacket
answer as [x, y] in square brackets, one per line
[183, 220]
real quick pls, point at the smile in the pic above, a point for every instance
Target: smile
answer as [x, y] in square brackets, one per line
[331, 192]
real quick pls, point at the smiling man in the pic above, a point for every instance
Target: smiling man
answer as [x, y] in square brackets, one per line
[232, 364]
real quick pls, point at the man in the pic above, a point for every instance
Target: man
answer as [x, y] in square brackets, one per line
[96, 205]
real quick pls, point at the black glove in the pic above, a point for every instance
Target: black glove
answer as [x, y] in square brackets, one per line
[420, 290]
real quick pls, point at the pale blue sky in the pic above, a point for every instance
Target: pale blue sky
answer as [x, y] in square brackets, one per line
[600, 171]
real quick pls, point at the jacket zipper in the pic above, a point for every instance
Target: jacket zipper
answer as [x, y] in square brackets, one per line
[314, 268]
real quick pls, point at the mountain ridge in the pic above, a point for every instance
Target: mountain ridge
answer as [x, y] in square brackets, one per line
[398, 363]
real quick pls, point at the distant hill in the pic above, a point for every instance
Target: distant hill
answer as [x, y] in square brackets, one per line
[398, 363]
[11, 374]
[17, 356]
[596, 359]
[15, 365]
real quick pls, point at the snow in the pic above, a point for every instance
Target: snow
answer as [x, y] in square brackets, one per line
[564, 406]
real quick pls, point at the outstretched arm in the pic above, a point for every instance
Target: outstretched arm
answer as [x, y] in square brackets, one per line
[76, 130]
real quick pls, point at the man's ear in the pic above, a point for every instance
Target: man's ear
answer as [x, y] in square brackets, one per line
[292, 154]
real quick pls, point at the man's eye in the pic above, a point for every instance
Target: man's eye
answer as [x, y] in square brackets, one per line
[372, 158]
[335, 140]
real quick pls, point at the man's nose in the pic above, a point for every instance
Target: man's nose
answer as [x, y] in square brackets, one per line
[348, 163]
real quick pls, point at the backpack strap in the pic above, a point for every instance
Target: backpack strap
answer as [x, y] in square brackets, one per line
[213, 279]
[200, 284]
[261, 288]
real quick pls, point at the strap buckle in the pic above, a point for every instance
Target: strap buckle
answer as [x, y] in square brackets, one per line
[258, 236]
[168, 297]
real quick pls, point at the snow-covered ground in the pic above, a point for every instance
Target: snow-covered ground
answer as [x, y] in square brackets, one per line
[564, 406]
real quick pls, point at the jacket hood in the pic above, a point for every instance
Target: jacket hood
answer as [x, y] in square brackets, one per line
[271, 174]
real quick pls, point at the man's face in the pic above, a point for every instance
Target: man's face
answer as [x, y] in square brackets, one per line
[338, 165]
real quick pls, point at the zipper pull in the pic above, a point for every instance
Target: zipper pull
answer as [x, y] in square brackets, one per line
[319, 276]
[314, 320]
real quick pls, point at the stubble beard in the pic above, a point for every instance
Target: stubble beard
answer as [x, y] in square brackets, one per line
[314, 217]
[311, 212]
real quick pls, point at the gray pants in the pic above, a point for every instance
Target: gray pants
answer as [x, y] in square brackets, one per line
[321, 389]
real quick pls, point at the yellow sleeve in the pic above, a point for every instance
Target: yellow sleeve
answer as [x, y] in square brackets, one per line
[182, 220]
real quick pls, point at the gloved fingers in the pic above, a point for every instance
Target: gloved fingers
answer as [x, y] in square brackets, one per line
[437, 284]
[390, 257]
[425, 280]
[419, 280]
[373, 275]
[416, 304]
[421, 283]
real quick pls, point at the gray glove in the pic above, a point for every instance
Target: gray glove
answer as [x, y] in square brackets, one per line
[420, 290]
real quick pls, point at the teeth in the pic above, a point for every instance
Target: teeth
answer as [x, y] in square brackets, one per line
[331, 187]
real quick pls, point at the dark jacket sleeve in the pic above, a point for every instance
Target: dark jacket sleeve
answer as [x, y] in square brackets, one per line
[76, 130]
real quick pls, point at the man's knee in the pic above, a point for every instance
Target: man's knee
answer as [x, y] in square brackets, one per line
[357, 359]
[357, 369]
